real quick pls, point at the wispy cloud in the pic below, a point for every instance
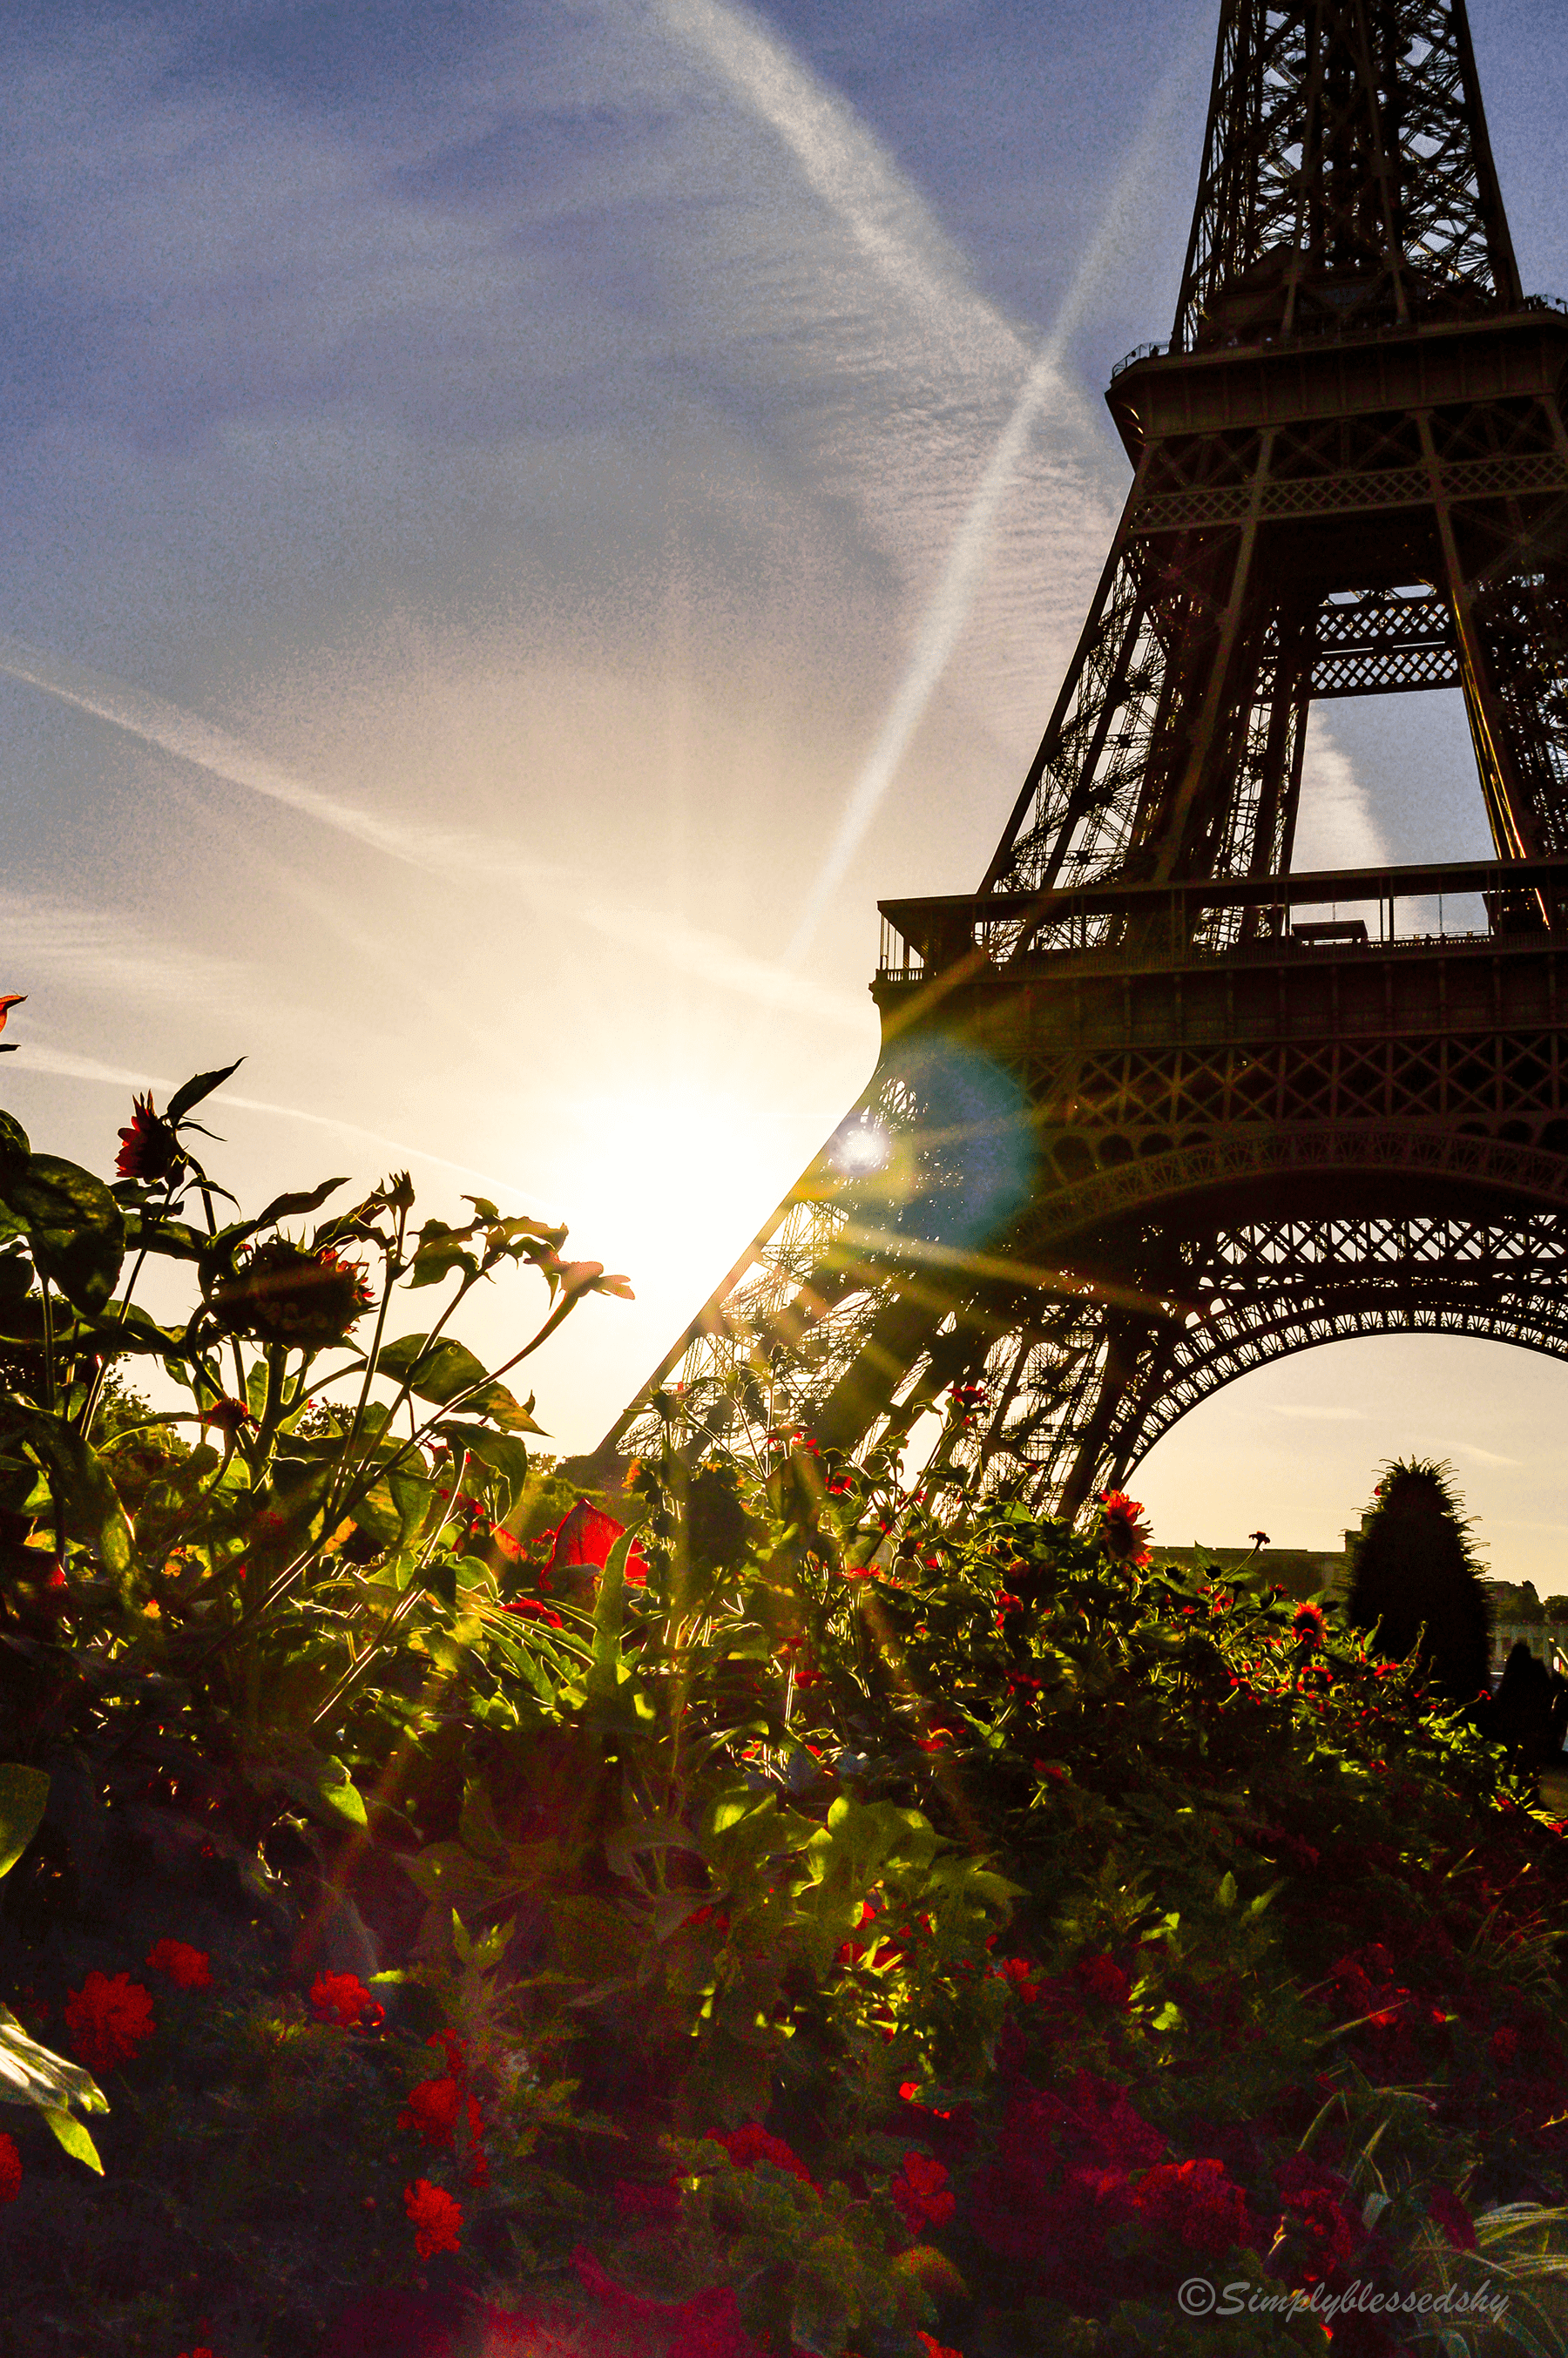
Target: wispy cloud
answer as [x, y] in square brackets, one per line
[64, 1063]
[96, 951]
[1336, 828]
[433, 851]
[1484, 1456]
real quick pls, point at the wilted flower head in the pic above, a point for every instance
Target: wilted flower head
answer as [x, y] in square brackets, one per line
[284, 1292]
[150, 1148]
[1124, 1538]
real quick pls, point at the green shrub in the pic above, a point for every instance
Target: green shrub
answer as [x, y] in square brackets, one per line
[822, 1917]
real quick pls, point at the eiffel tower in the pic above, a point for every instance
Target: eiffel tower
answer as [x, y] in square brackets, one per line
[1153, 1109]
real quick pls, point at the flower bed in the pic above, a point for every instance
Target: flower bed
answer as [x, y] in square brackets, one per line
[768, 1913]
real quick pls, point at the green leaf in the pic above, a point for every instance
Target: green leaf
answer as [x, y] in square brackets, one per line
[201, 1086]
[440, 1249]
[289, 1207]
[76, 1228]
[32, 2074]
[501, 1452]
[344, 1796]
[445, 1371]
[1225, 1895]
[73, 2135]
[87, 1492]
[13, 1137]
[24, 1796]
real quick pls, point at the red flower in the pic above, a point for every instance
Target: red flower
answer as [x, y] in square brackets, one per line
[150, 1148]
[934, 2349]
[187, 1967]
[919, 2190]
[432, 2110]
[1020, 1975]
[1318, 2194]
[1123, 1537]
[528, 1608]
[1196, 2202]
[226, 1415]
[1102, 1978]
[748, 2146]
[1503, 2046]
[342, 1998]
[704, 2325]
[434, 2216]
[108, 2020]
[284, 1292]
[10, 2170]
[586, 1536]
[1057, 2179]
[454, 2049]
[1452, 2217]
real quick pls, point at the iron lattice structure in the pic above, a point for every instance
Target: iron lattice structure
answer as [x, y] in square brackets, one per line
[1145, 1116]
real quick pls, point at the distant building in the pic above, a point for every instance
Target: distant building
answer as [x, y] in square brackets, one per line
[1325, 1573]
[1300, 1571]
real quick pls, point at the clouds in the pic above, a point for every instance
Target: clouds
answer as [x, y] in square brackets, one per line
[1336, 827]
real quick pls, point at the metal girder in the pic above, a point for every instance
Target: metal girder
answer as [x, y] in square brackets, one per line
[1347, 174]
[1147, 1117]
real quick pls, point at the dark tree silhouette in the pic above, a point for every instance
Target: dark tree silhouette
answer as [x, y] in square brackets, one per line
[1415, 1570]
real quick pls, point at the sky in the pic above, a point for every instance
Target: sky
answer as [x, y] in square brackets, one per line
[519, 523]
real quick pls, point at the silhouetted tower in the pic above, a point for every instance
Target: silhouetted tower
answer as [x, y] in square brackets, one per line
[1153, 1108]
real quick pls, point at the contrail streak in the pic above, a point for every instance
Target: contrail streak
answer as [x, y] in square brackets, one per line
[66, 1065]
[810, 124]
[711, 958]
[841, 160]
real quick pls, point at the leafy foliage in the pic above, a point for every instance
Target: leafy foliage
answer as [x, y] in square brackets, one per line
[773, 1910]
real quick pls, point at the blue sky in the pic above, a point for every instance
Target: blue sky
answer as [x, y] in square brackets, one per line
[503, 558]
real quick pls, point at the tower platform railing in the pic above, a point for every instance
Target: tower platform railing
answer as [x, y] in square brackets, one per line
[1483, 905]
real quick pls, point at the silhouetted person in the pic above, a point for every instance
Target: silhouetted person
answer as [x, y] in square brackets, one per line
[1530, 1711]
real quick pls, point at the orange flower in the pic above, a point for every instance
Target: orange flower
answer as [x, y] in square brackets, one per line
[434, 2216]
